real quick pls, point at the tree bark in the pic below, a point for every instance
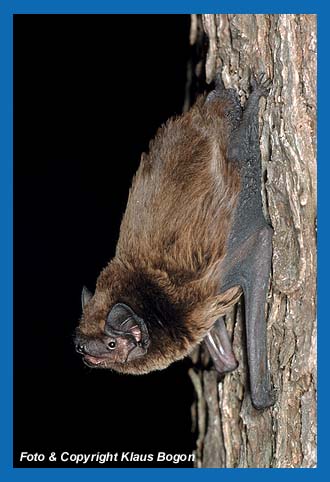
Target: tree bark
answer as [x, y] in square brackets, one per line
[231, 433]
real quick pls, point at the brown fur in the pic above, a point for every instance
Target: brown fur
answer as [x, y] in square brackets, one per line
[173, 237]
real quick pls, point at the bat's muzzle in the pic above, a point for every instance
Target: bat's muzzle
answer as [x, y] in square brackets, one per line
[95, 347]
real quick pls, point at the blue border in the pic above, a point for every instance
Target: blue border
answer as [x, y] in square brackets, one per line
[7, 9]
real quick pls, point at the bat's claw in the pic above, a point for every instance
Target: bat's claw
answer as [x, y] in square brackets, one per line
[261, 85]
[219, 88]
[219, 85]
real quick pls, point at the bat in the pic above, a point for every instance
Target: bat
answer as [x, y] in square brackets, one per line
[192, 240]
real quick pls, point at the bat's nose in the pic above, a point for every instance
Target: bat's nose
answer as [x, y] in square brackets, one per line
[81, 344]
[80, 347]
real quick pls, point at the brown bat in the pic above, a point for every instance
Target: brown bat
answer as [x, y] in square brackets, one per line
[192, 240]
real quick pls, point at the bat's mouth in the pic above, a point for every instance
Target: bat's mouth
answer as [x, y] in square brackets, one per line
[93, 361]
[98, 361]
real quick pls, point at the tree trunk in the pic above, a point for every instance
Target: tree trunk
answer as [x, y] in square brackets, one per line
[231, 433]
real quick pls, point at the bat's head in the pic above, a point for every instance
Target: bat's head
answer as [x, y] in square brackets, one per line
[135, 322]
[117, 338]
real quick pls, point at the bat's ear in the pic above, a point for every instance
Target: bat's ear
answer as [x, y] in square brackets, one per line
[86, 295]
[123, 320]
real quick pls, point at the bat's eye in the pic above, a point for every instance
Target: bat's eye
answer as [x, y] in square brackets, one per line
[112, 345]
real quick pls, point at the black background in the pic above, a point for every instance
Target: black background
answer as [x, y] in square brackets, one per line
[89, 93]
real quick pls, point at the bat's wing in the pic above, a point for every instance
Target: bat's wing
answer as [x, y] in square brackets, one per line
[249, 266]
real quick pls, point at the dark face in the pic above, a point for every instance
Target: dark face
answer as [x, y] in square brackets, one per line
[123, 338]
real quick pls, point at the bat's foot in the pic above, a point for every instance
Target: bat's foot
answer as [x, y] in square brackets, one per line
[261, 85]
[264, 399]
[228, 99]
[220, 349]
[225, 365]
